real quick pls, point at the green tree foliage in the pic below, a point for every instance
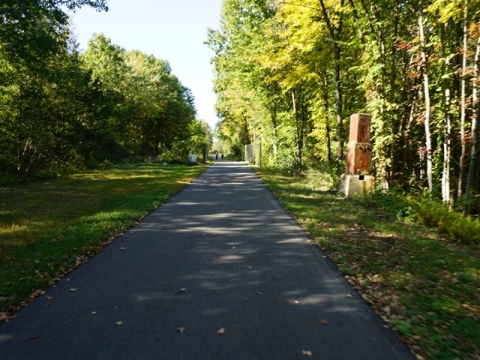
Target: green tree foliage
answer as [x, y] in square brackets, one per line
[197, 139]
[294, 71]
[29, 29]
[40, 106]
[245, 101]
[41, 84]
[152, 108]
[61, 109]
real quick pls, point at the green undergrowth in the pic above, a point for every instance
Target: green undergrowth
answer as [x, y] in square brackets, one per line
[422, 281]
[49, 227]
[432, 213]
[463, 229]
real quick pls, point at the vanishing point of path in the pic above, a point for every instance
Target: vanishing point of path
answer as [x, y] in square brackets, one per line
[218, 272]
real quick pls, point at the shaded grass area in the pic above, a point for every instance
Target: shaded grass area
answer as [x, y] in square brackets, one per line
[426, 287]
[50, 227]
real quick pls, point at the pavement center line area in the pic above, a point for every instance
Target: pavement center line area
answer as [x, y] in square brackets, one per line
[218, 272]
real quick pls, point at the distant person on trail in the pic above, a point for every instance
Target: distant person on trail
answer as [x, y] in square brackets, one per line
[222, 156]
[192, 158]
[216, 156]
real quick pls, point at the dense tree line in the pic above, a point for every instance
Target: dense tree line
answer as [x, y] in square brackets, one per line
[289, 73]
[62, 109]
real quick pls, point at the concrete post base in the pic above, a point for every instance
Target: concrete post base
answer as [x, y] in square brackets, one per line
[356, 184]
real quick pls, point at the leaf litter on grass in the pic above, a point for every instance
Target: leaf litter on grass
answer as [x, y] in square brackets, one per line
[427, 288]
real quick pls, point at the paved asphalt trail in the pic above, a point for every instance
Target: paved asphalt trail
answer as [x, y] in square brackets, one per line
[245, 266]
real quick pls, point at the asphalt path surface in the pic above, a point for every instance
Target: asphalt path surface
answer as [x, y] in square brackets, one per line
[218, 272]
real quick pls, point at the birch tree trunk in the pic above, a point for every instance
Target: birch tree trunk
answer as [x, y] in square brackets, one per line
[426, 94]
[298, 153]
[447, 129]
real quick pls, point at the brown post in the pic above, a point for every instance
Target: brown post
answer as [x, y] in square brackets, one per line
[359, 149]
[356, 179]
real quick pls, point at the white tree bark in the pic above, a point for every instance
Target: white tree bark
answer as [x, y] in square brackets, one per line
[446, 152]
[426, 94]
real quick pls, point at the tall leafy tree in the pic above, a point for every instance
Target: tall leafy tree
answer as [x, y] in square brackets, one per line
[60, 109]
[105, 62]
[412, 65]
[38, 70]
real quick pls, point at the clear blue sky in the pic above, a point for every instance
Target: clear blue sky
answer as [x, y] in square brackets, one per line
[173, 30]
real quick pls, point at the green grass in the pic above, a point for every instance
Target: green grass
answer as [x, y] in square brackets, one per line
[426, 287]
[50, 227]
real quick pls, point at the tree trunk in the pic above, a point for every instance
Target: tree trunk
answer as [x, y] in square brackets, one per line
[475, 122]
[327, 120]
[298, 151]
[338, 95]
[447, 127]
[406, 131]
[338, 86]
[274, 90]
[247, 137]
[447, 130]
[426, 94]
[273, 118]
[463, 105]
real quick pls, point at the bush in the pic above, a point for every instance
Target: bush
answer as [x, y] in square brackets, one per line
[466, 230]
[287, 164]
[168, 157]
[176, 154]
[324, 177]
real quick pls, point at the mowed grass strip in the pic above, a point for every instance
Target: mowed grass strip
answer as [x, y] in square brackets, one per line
[426, 287]
[50, 227]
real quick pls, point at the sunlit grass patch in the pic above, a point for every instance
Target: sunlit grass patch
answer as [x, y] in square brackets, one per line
[49, 227]
[12, 229]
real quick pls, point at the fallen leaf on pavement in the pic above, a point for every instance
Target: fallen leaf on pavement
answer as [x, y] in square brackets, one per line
[180, 330]
[221, 331]
[73, 289]
[118, 323]
[307, 353]
[5, 317]
[258, 293]
[324, 322]
[181, 291]
[36, 293]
